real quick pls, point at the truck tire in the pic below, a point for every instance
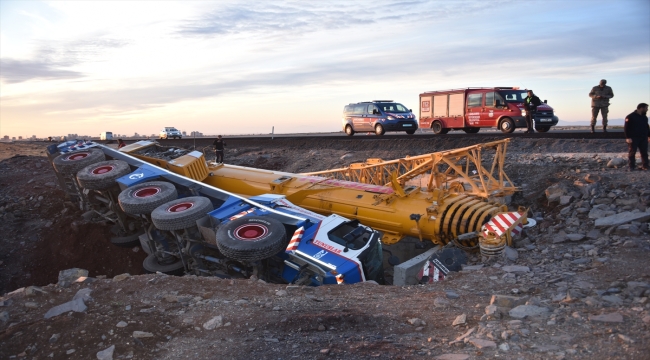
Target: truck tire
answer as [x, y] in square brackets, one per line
[102, 175]
[127, 241]
[180, 213]
[507, 126]
[379, 130]
[471, 130]
[144, 198]
[71, 163]
[348, 130]
[251, 238]
[151, 265]
[410, 132]
[542, 129]
[437, 128]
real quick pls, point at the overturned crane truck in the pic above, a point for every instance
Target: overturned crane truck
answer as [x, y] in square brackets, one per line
[189, 226]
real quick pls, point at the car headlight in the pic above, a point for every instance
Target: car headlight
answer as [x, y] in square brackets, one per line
[523, 112]
[390, 117]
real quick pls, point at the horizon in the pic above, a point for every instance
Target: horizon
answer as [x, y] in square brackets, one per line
[229, 67]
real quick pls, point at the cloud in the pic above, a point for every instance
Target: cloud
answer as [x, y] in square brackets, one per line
[15, 71]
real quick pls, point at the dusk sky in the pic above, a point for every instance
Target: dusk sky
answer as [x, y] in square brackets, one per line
[238, 67]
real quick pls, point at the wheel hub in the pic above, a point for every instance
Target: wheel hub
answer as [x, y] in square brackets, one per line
[180, 207]
[146, 192]
[250, 232]
[103, 169]
[77, 156]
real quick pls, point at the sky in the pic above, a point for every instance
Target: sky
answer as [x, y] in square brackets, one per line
[243, 67]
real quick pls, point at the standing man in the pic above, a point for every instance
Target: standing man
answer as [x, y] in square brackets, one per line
[530, 104]
[218, 149]
[637, 132]
[120, 143]
[600, 96]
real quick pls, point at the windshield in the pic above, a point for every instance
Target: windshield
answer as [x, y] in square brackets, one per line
[393, 107]
[514, 96]
[372, 262]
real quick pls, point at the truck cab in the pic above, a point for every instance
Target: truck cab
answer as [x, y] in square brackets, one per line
[170, 132]
[471, 109]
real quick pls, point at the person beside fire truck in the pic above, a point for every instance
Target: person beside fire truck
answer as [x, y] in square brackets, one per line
[637, 134]
[530, 104]
[600, 96]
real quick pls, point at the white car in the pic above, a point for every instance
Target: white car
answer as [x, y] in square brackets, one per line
[170, 133]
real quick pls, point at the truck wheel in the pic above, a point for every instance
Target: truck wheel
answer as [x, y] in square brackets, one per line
[144, 198]
[379, 130]
[437, 128]
[180, 213]
[251, 238]
[152, 265]
[410, 132]
[127, 241]
[349, 131]
[102, 175]
[71, 163]
[542, 128]
[471, 130]
[507, 125]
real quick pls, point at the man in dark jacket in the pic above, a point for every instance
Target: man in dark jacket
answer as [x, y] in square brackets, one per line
[218, 148]
[600, 96]
[637, 132]
[530, 104]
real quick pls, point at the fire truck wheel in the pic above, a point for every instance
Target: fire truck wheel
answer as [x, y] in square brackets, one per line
[437, 128]
[251, 238]
[180, 213]
[410, 132]
[144, 198]
[349, 131]
[471, 130]
[542, 128]
[102, 175]
[129, 241]
[71, 163]
[379, 130]
[507, 125]
[151, 265]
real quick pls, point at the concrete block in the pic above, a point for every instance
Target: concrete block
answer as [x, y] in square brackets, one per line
[406, 272]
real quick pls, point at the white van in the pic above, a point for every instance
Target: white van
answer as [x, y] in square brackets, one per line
[170, 133]
[106, 135]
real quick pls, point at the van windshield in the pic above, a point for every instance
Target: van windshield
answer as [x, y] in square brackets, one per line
[393, 107]
[514, 96]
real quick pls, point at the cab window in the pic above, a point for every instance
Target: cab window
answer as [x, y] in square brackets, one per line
[489, 99]
[474, 100]
[371, 109]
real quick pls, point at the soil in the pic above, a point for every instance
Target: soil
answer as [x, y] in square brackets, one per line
[42, 234]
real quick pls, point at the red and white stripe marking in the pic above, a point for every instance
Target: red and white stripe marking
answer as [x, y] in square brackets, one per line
[501, 222]
[243, 213]
[295, 240]
[339, 279]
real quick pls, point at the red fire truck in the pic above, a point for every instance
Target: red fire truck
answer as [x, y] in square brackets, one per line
[471, 109]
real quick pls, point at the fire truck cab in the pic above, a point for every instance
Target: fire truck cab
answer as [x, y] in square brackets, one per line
[471, 109]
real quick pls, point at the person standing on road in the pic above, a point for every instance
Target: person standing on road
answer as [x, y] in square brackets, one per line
[219, 145]
[637, 135]
[600, 96]
[530, 104]
[120, 143]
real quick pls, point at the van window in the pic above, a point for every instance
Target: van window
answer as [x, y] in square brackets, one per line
[489, 99]
[474, 100]
[359, 109]
[371, 108]
[393, 108]
[348, 109]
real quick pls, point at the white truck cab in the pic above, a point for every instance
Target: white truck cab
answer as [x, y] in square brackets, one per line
[170, 132]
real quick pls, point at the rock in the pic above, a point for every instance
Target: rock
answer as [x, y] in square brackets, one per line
[611, 317]
[281, 293]
[71, 351]
[593, 234]
[482, 344]
[106, 354]
[581, 261]
[452, 357]
[325, 351]
[524, 311]
[515, 269]
[416, 322]
[506, 301]
[83, 294]
[321, 327]
[626, 338]
[575, 237]
[451, 294]
[460, 320]
[142, 334]
[170, 298]
[492, 312]
[627, 202]
[213, 323]
[345, 156]
[471, 267]
[627, 230]
[565, 200]
[612, 299]
[504, 347]
[622, 218]
[616, 162]
[554, 192]
[4, 316]
[69, 276]
[121, 277]
[54, 338]
[30, 305]
[76, 305]
[600, 211]
[121, 324]
[441, 302]
[510, 253]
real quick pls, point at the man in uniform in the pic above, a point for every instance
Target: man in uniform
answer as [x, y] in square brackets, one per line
[600, 96]
[530, 104]
[218, 149]
[637, 132]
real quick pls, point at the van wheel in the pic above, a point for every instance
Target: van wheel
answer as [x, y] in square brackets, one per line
[379, 130]
[349, 131]
[437, 128]
[471, 130]
[507, 125]
[542, 128]
[410, 132]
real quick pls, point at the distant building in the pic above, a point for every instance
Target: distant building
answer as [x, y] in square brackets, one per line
[184, 133]
[13, 138]
[136, 135]
[20, 138]
[196, 134]
[33, 137]
[6, 137]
